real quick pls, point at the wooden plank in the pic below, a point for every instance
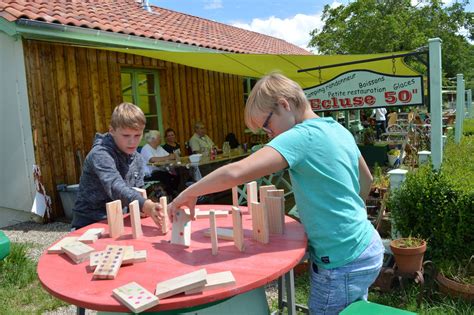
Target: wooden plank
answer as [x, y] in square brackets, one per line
[115, 218]
[222, 233]
[104, 87]
[260, 231]
[98, 110]
[215, 281]
[276, 214]
[214, 241]
[206, 214]
[183, 90]
[85, 96]
[135, 297]
[263, 193]
[181, 230]
[77, 251]
[194, 101]
[91, 235]
[57, 248]
[115, 83]
[181, 284]
[135, 219]
[252, 195]
[142, 192]
[164, 206]
[109, 263]
[235, 196]
[238, 232]
[206, 101]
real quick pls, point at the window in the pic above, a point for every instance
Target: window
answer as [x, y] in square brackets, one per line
[248, 83]
[141, 87]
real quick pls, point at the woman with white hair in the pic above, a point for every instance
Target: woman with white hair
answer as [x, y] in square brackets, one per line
[152, 152]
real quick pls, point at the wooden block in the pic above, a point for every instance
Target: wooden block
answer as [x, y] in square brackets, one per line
[110, 263]
[215, 281]
[128, 254]
[77, 251]
[115, 218]
[276, 193]
[206, 214]
[238, 232]
[140, 256]
[212, 224]
[95, 257]
[276, 214]
[57, 248]
[181, 230]
[91, 235]
[252, 194]
[164, 205]
[181, 284]
[141, 191]
[135, 219]
[235, 196]
[260, 223]
[135, 297]
[263, 192]
[222, 233]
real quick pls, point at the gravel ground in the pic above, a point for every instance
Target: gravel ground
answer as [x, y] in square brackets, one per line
[41, 236]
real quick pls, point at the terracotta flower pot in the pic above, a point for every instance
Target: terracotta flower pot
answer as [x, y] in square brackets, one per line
[408, 259]
[455, 289]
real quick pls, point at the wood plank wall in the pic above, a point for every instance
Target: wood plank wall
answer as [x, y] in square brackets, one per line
[72, 92]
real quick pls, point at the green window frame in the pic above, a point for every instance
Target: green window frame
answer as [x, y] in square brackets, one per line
[141, 87]
[248, 84]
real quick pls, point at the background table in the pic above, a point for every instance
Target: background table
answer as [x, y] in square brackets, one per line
[257, 266]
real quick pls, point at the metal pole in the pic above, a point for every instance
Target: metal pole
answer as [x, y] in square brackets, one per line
[459, 107]
[434, 46]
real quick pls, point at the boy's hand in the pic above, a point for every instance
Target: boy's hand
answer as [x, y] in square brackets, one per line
[154, 211]
[182, 201]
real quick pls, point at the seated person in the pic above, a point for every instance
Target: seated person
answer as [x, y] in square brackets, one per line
[112, 168]
[232, 139]
[152, 152]
[171, 146]
[200, 141]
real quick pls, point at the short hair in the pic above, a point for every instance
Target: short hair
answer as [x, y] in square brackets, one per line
[267, 92]
[169, 130]
[198, 124]
[152, 135]
[128, 115]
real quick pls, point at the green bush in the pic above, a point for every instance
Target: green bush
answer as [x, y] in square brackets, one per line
[439, 206]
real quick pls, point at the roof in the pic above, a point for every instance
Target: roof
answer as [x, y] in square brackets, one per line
[129, 17]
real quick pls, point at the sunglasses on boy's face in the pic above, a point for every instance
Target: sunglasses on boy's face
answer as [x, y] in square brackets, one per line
[266, 123]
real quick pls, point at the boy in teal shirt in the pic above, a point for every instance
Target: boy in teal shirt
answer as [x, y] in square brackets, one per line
[330, 181]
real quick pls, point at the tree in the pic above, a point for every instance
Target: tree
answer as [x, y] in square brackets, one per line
[378, 26]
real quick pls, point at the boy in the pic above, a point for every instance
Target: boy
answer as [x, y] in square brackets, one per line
[112, 168]
[330, 181]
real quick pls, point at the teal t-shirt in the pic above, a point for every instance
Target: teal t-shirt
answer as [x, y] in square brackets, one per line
[323, 161]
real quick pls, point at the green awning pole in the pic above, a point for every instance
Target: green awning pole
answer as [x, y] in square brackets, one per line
[434, 46]
[469, 104]
[459, 107]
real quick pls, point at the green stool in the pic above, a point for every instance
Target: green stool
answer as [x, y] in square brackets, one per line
[4, 245]
[368, 308]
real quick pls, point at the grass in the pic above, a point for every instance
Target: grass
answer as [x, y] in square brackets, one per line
[20, 289]
[435, 304]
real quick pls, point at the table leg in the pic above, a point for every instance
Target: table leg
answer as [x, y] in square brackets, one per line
[80, 311]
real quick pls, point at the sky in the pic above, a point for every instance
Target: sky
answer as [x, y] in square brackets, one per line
[290, 20]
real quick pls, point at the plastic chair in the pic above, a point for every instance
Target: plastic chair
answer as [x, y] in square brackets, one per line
[4, 245]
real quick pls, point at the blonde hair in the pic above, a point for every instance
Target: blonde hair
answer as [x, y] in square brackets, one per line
[128, 115]
[267, 92]
[152, 135]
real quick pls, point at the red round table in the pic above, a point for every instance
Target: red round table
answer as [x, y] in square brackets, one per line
[258, 265]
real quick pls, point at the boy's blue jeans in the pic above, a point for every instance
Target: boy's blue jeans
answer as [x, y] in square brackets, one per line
[332, 290]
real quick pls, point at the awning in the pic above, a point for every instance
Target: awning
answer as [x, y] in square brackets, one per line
[257, 65]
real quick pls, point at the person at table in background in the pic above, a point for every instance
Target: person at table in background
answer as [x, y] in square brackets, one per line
[152, 152]
[380, 120]
[200, 141]
[330, 184]
[112, 168]
[171, 146]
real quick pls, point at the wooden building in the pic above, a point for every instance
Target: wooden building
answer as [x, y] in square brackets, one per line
[61, 80]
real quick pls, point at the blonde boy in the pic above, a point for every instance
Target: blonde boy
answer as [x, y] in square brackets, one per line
[112, 168]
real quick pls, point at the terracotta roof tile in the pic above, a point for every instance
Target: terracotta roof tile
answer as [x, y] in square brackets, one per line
[128, 17]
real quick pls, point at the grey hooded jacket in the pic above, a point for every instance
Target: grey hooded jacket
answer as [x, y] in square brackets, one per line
[108, 174]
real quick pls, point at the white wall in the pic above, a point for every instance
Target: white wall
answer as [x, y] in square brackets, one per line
[16, 144]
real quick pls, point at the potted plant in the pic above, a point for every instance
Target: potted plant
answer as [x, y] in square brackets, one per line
[457, 279]
[393, 155]
[380, 182]
[408, 253]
